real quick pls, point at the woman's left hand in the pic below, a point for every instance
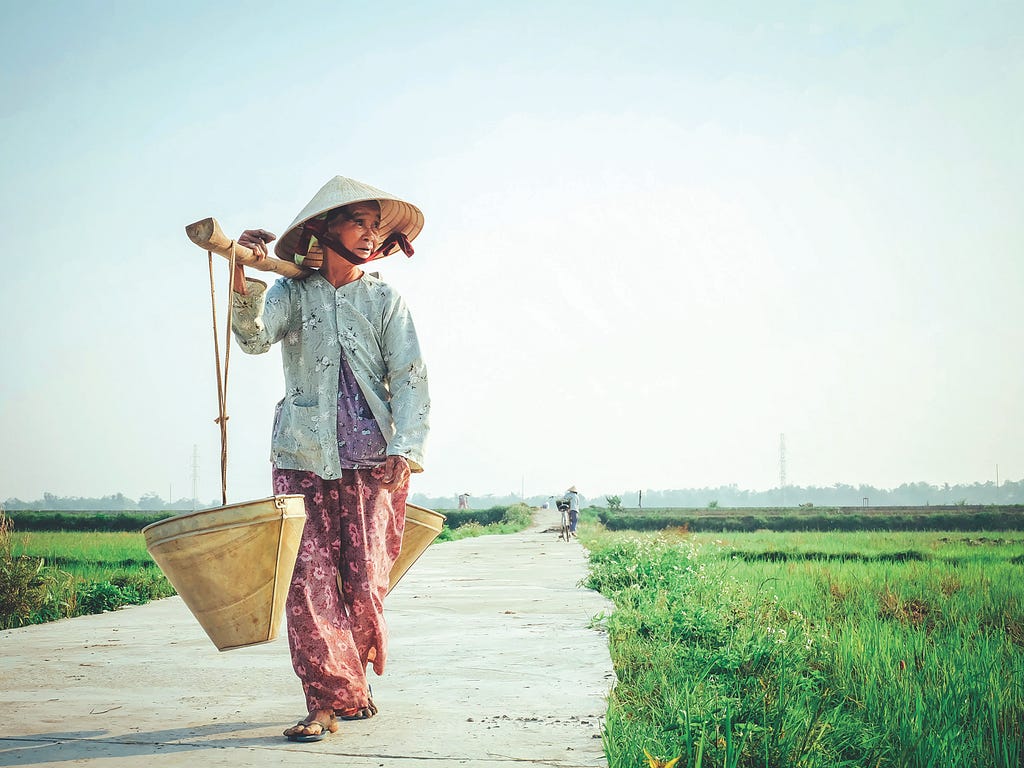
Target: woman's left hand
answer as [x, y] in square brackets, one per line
[394, 472]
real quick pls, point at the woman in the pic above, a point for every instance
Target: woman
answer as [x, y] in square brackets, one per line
[347, 434]
[572, 496]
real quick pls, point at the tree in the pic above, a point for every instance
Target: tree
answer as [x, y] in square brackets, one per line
[151, 501]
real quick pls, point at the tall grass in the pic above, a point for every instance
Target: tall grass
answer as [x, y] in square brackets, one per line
[28, 589]
[842, 659]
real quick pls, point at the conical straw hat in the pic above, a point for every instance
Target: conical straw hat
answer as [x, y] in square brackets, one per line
[395, 215]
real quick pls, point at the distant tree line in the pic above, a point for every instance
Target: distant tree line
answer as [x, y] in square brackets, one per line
[837, 495]
[117, 502]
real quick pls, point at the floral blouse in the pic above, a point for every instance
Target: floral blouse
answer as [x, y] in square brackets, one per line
[315, 323]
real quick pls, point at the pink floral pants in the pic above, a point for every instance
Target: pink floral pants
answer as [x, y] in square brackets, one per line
[353, 527]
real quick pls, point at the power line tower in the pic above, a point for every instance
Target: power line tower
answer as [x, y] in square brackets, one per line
[195, 476]
[782, 466]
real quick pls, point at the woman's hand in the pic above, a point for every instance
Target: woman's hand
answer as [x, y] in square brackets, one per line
[255, 240]
[393, 473]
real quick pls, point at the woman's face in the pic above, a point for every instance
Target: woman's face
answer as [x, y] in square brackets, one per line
[357, 226]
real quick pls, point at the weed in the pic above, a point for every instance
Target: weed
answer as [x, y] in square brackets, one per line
[28, 589]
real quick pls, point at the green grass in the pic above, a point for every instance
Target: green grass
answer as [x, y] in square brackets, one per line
[836, 655]
[91, 557]
[66, 546]
[958, 547]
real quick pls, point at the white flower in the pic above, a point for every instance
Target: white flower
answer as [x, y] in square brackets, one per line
[416, 374]
[348, 337]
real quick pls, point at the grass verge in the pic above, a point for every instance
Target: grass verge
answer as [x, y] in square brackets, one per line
[725, 660]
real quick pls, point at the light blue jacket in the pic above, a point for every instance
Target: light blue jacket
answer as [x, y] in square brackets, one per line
[314, 322]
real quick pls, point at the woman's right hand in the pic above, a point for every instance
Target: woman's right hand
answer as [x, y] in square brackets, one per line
[255, 240]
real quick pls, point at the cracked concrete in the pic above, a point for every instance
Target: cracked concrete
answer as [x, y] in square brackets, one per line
[492, 662]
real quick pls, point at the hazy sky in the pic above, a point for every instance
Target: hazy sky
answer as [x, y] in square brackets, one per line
[657, 235]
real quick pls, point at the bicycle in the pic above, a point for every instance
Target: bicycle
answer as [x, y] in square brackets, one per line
[563, 507]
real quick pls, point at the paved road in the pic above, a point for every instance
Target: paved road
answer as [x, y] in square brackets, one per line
[492, 662]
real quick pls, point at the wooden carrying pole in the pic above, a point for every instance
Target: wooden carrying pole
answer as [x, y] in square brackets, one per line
[208, 235]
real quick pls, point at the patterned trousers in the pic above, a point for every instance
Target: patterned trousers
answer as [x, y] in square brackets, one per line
[353, 528]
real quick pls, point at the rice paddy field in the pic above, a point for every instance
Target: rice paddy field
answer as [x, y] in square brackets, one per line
[86, 555]
[814, 649]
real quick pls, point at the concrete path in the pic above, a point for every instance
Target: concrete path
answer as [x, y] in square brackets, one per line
[492, 663]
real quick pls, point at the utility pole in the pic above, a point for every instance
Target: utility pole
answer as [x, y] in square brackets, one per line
[195, 476]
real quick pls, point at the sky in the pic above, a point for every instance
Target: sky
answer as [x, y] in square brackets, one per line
[659, 236]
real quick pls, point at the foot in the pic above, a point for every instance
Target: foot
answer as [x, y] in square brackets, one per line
[314, 727]
[357, 713]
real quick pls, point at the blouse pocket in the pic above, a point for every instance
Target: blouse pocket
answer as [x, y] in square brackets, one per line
[297, 430]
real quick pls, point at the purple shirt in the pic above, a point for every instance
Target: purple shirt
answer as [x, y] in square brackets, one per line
[360, 442]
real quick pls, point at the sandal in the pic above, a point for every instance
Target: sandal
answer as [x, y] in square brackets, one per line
[357, 713]
[325, 730]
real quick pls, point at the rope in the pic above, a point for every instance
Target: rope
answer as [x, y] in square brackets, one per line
[222, 376]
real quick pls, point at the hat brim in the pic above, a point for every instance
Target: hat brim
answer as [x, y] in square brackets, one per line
[396, 215]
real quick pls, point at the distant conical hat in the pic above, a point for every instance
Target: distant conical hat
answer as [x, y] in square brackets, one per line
[395, 215]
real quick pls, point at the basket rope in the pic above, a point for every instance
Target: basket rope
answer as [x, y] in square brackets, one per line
[222, 374]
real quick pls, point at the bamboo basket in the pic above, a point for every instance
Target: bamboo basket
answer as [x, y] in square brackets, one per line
[232, 565]
[422, 526]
